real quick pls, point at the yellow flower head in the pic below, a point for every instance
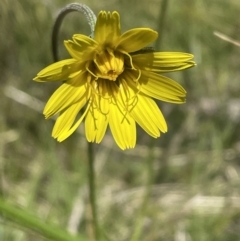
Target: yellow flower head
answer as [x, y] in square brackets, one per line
[114, 79]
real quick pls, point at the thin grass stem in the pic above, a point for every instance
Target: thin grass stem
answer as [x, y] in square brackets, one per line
[92, 191]
[26, 220]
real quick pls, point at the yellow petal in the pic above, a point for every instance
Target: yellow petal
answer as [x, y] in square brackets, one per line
[87, 46]
[161, 88]
[107, 29]
[163, 61]
[65, 120]
[96, 121]
[123, 126]
[73, 49]
[84, 41]
[164, 57]
[67, 132]
[66, 95]
[147, 114]
[59, 71]
[136, 39]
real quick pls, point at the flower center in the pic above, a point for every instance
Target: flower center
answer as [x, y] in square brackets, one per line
[109, 65]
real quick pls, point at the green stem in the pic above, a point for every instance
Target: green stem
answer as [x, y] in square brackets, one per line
[92, 191]
[26, 220]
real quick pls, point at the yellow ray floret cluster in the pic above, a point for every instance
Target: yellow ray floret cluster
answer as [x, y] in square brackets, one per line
[114, 81]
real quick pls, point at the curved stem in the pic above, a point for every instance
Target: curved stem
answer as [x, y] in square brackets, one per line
[72, 7]
[91, 18]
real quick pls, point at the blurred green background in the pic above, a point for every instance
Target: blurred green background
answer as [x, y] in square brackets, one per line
[196, 180]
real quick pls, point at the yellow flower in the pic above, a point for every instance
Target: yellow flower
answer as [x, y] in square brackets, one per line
[114, 78]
